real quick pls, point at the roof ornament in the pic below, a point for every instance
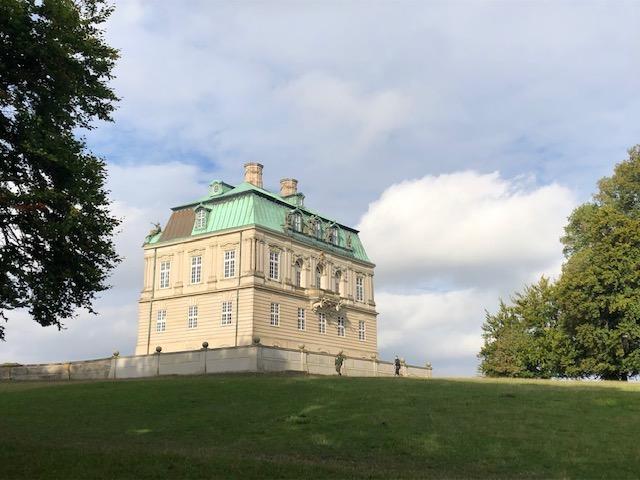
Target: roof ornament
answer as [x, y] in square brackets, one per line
[154, 231]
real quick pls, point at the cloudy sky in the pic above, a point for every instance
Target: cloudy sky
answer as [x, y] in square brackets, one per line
[457, 136]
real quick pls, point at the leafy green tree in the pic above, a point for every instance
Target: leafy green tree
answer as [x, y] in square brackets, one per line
[56, 247]
[523, 339]
[588, 323]
[599, 289]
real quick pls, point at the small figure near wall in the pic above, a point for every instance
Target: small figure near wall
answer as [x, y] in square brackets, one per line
[397, 364]
[339, 361]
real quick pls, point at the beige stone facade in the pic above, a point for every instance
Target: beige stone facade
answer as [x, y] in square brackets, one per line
[252, 284]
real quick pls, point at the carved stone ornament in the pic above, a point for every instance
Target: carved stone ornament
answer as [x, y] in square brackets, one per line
[327, 303]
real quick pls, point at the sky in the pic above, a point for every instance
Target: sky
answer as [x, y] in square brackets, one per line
[457, 136]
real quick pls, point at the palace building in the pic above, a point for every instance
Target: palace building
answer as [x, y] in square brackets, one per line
[244, 265]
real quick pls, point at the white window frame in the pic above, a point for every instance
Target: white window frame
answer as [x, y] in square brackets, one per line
[275, 315]
[196, 269]
[229, 269]
[161, 321]
[359, 288]
[192, 317]
[165, 273]
[341, 327]
[322, 323]
[227, 313]
[274, 265]
[201, 219]
[301, 319]
[362, 331]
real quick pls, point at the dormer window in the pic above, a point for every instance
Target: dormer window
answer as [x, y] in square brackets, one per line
[332, 236]
[297, 222]
[318, 229]
[201, 219]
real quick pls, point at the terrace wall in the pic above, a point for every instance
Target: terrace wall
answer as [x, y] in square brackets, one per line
[251, 358]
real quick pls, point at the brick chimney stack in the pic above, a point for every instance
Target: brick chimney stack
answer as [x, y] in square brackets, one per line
[288, 186]
[253, 173]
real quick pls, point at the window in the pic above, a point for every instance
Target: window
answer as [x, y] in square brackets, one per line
[341, 327]
[161, 321]
[318, 229]
[226, 313]
[196, 269]
[274, 265]
[201, 219]
[297, 222]
[301, 322]
[165, 269]
[319, 276]
[361, 331]
[298, 273]
[322, 323]
[275, 314]
[337, 279]
[359, 289]
[333, 235]
[229, 263]
[193, 316]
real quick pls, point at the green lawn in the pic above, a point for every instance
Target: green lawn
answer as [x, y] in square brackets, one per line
[253, 426]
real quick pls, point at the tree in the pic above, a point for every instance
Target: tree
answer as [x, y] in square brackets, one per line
[599, 289]
[523, 339]
[587, 324]
[56, 247]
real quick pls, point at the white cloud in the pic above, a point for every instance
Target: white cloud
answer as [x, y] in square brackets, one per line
[338, 110]
[465, 228]
[433, 326]
[447, 248]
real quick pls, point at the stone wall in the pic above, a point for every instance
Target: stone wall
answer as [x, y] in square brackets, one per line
[253, 358]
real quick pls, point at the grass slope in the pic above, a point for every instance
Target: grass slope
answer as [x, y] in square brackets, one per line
[293, 426]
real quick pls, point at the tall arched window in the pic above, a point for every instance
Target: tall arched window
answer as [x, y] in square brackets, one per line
[297, 274]
[319, 270]
[337, 277]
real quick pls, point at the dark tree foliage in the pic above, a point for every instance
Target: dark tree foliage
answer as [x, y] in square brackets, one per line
[56, 247]
[523, 340]
[599, 290]
[587, 324]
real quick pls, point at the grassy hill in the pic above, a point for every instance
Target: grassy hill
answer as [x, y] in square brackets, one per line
[294, 426]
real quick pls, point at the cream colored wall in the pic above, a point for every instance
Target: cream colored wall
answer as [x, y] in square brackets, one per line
[287, 335]
[178, 337]
[208, 294]
[256, 291]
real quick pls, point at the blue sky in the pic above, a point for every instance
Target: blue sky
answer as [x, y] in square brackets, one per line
[457, 135]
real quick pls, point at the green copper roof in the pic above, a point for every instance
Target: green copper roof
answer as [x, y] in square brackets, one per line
[246, 205]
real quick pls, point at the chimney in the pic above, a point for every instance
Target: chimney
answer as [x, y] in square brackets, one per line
[288, 186]
[253, 174]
